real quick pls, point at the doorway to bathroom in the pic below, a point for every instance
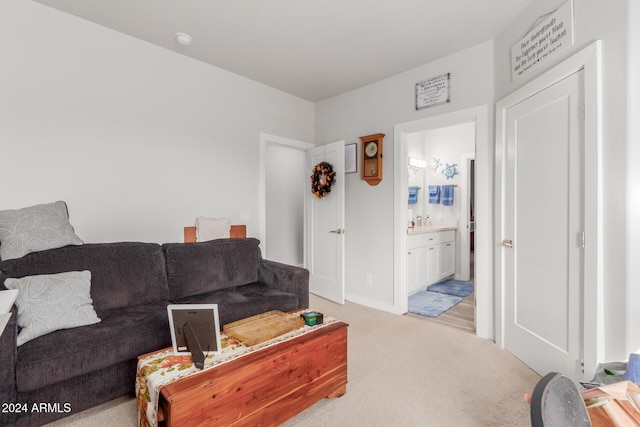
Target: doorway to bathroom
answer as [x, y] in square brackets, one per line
[466, 167]
[439, 209]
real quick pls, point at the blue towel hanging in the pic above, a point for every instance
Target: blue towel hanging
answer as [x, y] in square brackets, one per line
[413, 195]
[447, 195]
[434, 194]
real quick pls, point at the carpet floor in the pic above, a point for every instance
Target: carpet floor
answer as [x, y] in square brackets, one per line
[402, 372]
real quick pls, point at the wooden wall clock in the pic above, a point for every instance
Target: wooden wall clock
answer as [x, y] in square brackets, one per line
[372, 158]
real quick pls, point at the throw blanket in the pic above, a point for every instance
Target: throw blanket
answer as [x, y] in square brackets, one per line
[163, 367]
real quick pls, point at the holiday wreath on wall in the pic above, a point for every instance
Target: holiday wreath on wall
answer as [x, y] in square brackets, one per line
[322, 179]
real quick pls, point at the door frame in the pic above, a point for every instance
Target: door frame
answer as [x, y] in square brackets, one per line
[484, 175]
[465, 218]
[267, 139]
[589, 60]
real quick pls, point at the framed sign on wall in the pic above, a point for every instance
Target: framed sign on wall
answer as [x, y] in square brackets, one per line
[434, 91]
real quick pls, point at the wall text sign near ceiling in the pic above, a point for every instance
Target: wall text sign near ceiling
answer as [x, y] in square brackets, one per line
[434, 91]
[543, 42]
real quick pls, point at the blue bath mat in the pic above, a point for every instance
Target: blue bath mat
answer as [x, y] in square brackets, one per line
[458, 288]
[431, 304]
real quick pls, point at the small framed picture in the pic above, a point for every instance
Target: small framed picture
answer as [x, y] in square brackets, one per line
[202, 321]
[350, 158]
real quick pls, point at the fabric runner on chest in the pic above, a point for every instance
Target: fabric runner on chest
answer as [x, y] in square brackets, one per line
[163, 367]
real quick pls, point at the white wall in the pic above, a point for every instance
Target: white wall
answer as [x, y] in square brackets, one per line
[377, 108]
[448, 144]
[138, 140]
[606, 21]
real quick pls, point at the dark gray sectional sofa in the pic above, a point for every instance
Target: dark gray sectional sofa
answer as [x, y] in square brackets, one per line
[70, 370]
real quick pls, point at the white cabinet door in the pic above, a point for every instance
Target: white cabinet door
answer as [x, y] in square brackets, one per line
[448, 250]
[423, 268]
[433, 263]
[413, 271]
[413, 264]
[430, 258]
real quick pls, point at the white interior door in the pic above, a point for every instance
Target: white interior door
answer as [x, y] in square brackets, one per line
[543, 225]
[325, 228]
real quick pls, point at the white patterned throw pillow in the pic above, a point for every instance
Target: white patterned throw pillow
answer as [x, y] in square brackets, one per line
[34, 229]
[50, 302]
[212, 228]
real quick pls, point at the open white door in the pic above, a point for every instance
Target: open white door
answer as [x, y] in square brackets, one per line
[325, 227]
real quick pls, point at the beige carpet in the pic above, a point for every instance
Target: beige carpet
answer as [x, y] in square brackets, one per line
[402, 372]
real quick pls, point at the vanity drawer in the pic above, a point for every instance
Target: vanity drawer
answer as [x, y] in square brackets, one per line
[447, 236]
[429, 239]
[413, 242]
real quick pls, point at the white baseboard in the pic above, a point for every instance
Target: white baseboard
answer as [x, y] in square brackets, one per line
[371, 304]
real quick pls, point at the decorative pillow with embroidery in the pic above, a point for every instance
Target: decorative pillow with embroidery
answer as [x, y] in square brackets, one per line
[50, 302]
[34, 229]
[212, 228]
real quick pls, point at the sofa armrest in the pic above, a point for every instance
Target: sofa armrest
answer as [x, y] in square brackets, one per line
[287, 278]
[8, 354]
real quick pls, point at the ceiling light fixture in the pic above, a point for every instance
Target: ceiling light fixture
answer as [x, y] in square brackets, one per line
[183, 39]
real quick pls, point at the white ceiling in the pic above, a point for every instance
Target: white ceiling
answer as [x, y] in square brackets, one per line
[311, 49]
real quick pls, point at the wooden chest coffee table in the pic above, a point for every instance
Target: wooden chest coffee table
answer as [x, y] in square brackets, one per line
[263, 387]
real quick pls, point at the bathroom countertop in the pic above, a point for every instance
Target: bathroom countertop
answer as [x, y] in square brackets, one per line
[431, 228]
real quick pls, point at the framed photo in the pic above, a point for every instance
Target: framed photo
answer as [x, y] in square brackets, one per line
[202, 319]
[350, 158]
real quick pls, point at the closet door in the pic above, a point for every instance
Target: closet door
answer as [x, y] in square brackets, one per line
[543, 205]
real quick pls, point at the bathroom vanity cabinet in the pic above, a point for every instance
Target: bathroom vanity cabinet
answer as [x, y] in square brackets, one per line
[431, 257]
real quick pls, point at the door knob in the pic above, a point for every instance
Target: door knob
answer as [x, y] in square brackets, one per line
[507, 243]
[338, 231]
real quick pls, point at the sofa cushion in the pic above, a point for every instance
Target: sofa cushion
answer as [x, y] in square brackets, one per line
[122, 274]
[244, 301]
[122, 335]
[50, 302]
[35, 228]
[197, 268]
